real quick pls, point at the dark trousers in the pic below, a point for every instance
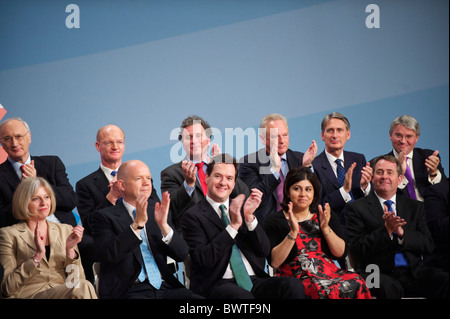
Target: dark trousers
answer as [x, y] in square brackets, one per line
[143, 290]
[430, 283]
[263, 288]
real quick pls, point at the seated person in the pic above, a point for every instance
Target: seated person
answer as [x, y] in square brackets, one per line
[266, 169]
[185, 180]
[306, 237]
[134, 238]
[40, 257]
[226, 246]
[389, 231]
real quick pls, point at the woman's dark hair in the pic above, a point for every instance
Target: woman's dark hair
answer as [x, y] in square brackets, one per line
[296, 175]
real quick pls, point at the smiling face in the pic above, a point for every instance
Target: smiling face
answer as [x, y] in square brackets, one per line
[386, 178]
[403, 139]
[111, 145]
[135, 179]
[221, 182]
[15, 139]
[195, 142]
[335, 135]
[301, 194]
[40, 204]
[276, 132]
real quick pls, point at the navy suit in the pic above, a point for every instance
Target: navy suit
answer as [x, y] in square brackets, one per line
[53, 170]
[330, 185]
[254, 170]
[119, 250]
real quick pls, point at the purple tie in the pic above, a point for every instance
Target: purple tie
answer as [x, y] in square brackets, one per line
[410, 185]
[280, 191]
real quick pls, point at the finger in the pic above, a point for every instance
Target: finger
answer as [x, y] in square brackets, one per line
[435, 153]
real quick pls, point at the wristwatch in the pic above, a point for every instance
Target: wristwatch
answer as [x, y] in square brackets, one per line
[135, 226]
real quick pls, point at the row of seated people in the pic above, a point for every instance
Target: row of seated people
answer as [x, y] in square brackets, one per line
[124, 218]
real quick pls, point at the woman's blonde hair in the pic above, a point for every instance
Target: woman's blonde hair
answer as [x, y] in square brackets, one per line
[23, 194]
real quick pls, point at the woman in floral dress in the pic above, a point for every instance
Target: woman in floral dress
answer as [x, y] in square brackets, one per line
[306, 237]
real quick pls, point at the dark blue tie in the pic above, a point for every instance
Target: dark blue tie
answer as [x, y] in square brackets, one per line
[340, 172]
[400, 258]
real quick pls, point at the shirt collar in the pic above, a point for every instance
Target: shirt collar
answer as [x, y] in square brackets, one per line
[216, 205]
[17, 165]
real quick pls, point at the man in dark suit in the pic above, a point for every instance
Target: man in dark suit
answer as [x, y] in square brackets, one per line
[226, 246]
[132, 232]
[183, 179]
[266, 168]
[15, 137]
[335, 133]
[389, 231]
[424, 164]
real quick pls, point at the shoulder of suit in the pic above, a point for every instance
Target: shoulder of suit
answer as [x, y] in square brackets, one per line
[92, 175]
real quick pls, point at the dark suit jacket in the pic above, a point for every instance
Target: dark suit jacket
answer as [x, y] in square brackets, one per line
[254, 170]
[172, 180]
[370, 242]
[420, 170]
[210, 246]
[53, 170]
[92, 191]
[119, 249]
[330, 185]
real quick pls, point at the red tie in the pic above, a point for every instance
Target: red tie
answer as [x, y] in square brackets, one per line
[201, 177]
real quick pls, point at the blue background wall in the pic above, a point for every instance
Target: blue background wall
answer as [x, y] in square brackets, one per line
[146, 65]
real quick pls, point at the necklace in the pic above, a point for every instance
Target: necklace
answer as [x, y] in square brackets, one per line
[299, 221]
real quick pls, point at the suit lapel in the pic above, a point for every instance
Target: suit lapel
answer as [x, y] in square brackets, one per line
[101, 182]
[9, 174]
[26, 235]
[328, 170]
[209, 213]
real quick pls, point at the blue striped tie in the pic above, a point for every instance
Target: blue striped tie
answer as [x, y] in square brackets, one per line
[400, 258]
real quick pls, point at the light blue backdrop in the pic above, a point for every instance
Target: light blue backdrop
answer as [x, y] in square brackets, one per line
[146, 65]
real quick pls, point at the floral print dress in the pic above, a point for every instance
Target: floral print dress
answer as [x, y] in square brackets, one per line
[319, 274]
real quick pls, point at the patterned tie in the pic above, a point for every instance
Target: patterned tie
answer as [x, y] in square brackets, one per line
[340, 172]
[149, 266]
[341, 175]
[410, 185]
[202, 176]
[400, 258]
[237, 264]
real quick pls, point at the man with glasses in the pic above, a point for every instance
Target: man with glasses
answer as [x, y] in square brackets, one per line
[421, 167]
[15, 138]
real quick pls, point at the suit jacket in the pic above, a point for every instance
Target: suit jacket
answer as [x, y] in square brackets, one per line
[119, 249]
[53, 170]
[330, 185]
[420, 170]
[92, 191]
[370, 242]
[254, 170]
[172, 180]
[22, 279]
[211, 246]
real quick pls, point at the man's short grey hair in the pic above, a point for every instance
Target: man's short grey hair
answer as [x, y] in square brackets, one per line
[272, 117]
[334, 115]
[407, 121]
[15, 119]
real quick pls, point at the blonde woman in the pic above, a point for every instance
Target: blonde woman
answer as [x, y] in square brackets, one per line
[40, 257]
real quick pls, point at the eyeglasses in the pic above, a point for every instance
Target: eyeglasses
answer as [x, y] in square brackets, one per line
[18, 138]
[111, 143]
